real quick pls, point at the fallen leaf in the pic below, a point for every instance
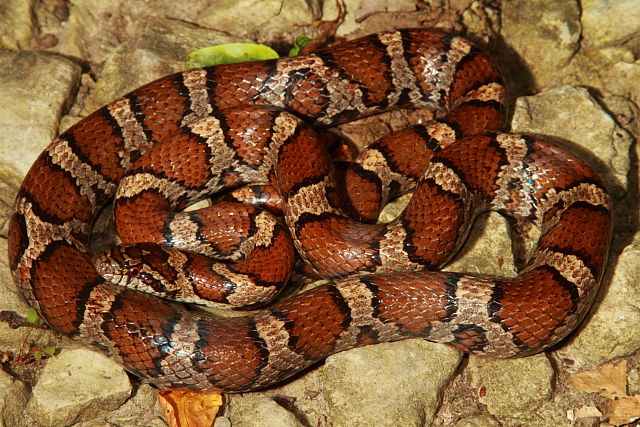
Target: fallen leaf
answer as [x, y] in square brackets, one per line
[587, 412]
[624, 410]
[609, 380]
[187, 408]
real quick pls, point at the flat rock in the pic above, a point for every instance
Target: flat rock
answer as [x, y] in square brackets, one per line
[548, 46]
[571, 113]
[512, 386]
[77, 385]
[95, 27]
[39, 86]
[609, 22]
[17, 25]
[253, 409]
[13, 398]
[389, 384]
[270, 21]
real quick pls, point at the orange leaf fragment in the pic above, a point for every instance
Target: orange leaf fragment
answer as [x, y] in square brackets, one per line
[624, 410]
[610, 380]
[188, 408]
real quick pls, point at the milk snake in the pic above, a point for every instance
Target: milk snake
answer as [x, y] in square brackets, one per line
[457, 165]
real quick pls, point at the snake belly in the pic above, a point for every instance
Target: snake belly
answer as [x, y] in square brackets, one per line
[459, 165]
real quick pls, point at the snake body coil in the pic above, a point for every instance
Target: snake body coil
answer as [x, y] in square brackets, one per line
[458, 165]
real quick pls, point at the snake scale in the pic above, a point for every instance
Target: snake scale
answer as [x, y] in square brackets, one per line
[201, 131]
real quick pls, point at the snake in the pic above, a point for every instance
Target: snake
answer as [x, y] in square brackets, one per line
[198, 132]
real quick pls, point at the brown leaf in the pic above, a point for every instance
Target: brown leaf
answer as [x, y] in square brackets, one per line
[187, 408]
[609, 380]
[624, 410]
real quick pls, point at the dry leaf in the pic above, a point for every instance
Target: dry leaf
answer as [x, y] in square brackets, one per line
[624, 410]
[587, 412]
[610, 380]
[187, 408]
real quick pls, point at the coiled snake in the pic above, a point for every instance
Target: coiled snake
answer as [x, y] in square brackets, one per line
[199, 140]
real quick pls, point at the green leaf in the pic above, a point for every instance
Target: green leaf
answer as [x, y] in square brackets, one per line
[300, 43]
[37, 355]
[49, 350]
[34, 318]
[229, 53]
[32, 315]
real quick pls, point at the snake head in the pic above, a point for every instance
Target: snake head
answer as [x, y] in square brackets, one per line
[142, 266]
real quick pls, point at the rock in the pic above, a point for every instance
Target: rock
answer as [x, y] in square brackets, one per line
[77, 385]
[17, 25]
[95, 27]
[13, 398]
[266, 21]
[141, 409]
[39, 87]
[481, 19]
[609, 22]
[512, 386]
[161, 49]
[478, 421]
[623, 78]
[571, 113]
[488, 249]
[387, 384]
[548, 46]
[612, 330]
[349, 25]
[253, 409]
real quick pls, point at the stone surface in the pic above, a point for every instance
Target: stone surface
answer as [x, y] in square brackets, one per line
[388, 384]
[596, 14]
[548, 46]
[478, 421]
[77, 385]
[251, 410]
[16, 23]
[13, 398]
[141, 409]
[572, 114]
[95, 27]
[39, 87]
[512, 386]
[268, 20]
[488, 249]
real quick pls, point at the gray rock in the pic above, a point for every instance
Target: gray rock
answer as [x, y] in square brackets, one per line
[478, 421]
[40, 87]
[390, 384]
[488, 249]
[77, 385]
[254, 409]
[141, 409]
[571, 113]
[160, 50]
[264, 21]
[512, 386]
[609, 22]
[481, 19]
[13, 398]
[623, 78]
[17, 25]
[95, 27]
[548, 46]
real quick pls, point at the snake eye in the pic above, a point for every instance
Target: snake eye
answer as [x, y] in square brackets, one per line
[134, 271]
[146, 277]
